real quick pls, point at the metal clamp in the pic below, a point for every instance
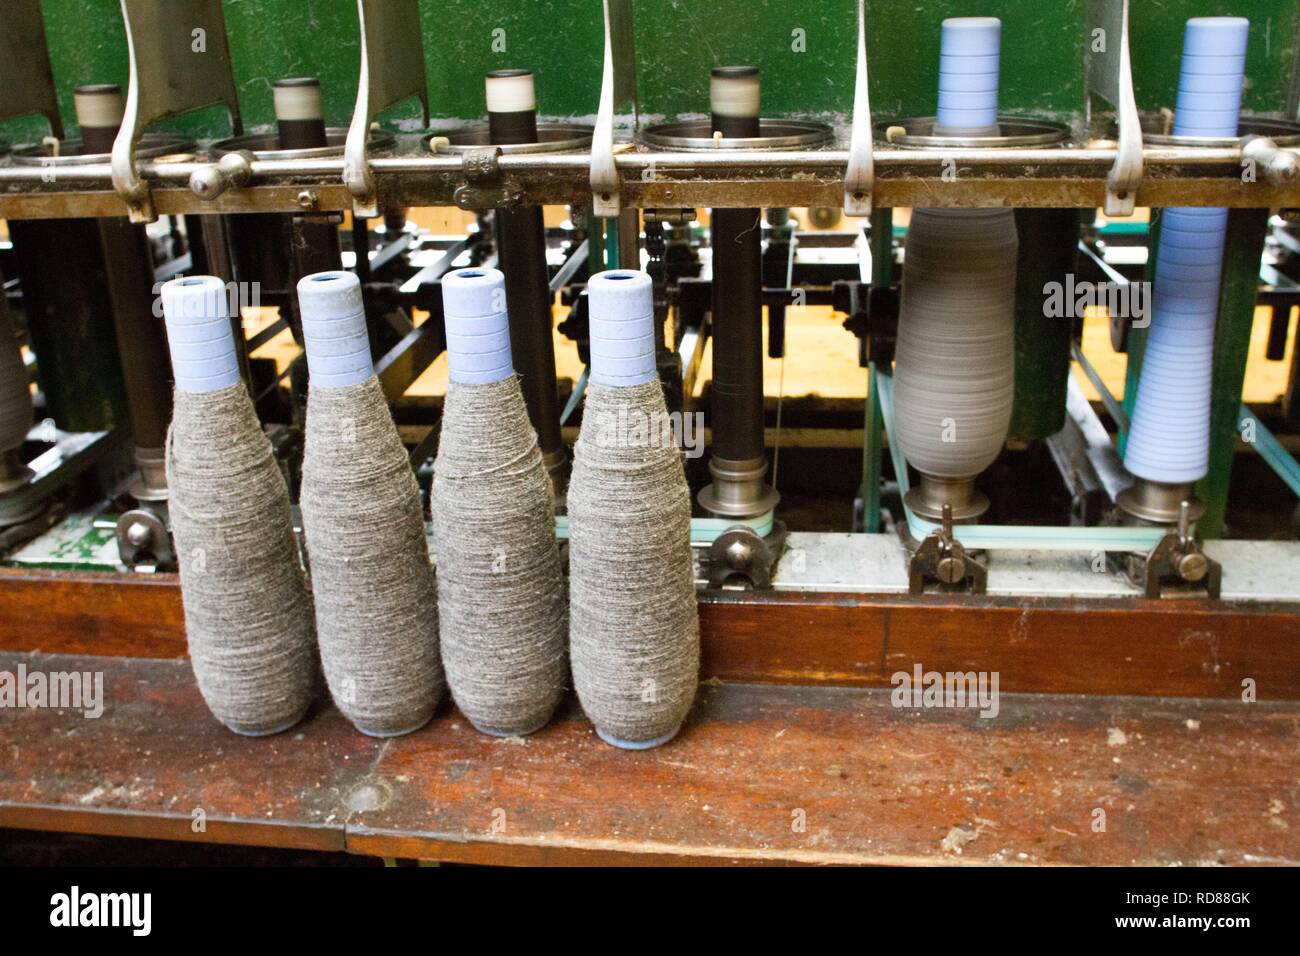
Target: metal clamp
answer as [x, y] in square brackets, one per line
[741, 552]
[392, 69]
[942, 558]
[1281, 167]
[143, 538]
[859, 177]
[1177, 560]
[485, 189]
[26, 80]
[179, 61]
[1110, 76]
[232, 169]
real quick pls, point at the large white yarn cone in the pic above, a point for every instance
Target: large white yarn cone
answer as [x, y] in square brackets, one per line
[955, 358]
[1169, 439]
[954, 375]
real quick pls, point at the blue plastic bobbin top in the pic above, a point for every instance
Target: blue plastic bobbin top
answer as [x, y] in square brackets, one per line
[334, 329]
[199, 333]
[621, 308]
[1211, 74]
[969, 59]
[478, 331]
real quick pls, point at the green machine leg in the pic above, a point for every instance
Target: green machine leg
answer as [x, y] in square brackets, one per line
[1247, 229]
[882, 273]
[1048, 245]
[610, 228]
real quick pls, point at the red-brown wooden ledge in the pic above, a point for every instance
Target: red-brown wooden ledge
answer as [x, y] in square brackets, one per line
[1185, 648]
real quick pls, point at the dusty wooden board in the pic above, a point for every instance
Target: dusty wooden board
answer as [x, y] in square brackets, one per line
[1038, 645]
[759, 774]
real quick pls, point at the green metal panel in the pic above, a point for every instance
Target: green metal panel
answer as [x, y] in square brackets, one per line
[1156, 41]
[69, 322]
[677, 40]
[1242, 250]
[1048, 242]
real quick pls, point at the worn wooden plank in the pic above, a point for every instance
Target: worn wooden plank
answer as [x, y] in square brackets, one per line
[1038, 645]
[91, 612]
[813, 775]
[155, 757]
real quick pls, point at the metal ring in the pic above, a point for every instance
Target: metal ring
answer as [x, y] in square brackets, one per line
[1014, 132]
[1280, 131]
[551, 138]
[266, 145]
[152, 146]
[773, 134]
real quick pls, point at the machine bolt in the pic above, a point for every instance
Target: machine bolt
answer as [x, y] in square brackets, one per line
[1192, 566]
[950, 569]
[307, 199]
[139, 534]
[740, 554]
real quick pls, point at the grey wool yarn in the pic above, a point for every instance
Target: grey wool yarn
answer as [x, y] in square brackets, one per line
[501, 599]
[373, 585]
[248, 616]
[634, 627]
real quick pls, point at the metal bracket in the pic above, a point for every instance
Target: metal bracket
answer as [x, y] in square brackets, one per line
[741, 552]
[179, 61]
[485, 189]
[392, 69]
[859, 178]
[1281, 167]
[605, 190]
[1110, 76]
[26, 79]
[941, 558]
[143, 538]
[231, 170]
[1177, 560]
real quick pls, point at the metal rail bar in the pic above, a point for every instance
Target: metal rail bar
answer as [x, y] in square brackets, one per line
[1053, 177]
[834, 161]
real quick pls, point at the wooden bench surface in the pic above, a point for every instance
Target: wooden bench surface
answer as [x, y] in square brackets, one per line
[761, 773]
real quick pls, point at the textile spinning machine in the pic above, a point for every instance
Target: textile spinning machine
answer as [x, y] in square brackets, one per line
[975, 323]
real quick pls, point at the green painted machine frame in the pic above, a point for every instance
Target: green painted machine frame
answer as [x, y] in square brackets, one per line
[806, 51]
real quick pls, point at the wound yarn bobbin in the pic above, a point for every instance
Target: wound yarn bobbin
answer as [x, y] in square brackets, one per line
[372, 582]
[954, 375]
[955, 356]
[248, 614]
[1169, 437]
[634, 628]
[501, 596]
